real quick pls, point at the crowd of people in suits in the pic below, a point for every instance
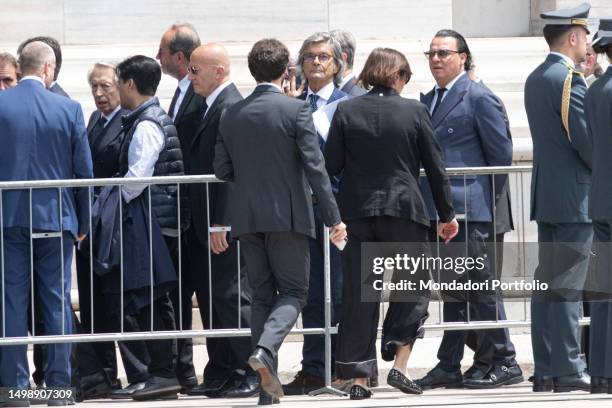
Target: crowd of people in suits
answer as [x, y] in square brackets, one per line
[313, 146]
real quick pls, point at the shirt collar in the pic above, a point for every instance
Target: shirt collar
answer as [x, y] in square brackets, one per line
[346, 80]
[210, 99]
[451, 83]
[271, 84]
[111, 115]
[184, 84]
[34, 77]
[565, 57]
[324, 93]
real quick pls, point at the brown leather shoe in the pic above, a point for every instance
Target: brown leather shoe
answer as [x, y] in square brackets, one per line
[303, 383]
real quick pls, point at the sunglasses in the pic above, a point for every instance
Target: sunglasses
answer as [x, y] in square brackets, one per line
[442, 54]
[193, 70]
[323, 58]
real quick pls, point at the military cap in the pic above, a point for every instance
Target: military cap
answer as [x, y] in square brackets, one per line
[570, 16]
[603, 36]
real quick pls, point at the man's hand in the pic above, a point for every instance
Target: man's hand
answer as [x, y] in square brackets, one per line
[290, 89]
[337, 233]
[218, 241]
[80, 237]
[448, 230]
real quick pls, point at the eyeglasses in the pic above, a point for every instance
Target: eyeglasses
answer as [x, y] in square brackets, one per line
[323, 58]
[194, 70]
[442, 54]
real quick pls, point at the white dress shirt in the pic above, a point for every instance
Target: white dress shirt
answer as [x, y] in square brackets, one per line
[324, 94]
[146, 145]
[448, 88]
[35, 78]
[183, 86]
[346, 79]
[210, 99]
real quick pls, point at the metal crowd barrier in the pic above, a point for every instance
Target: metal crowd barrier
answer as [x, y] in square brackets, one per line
[517, 175]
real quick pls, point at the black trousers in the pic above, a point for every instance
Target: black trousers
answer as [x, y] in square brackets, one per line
[403, 324]
[278, 269]
[95, 356]
[225, 354]
[493, 347]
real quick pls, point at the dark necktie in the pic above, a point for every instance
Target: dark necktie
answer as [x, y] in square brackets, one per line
[440, 92]
[204, 109]
[312, 99]
[97, 132]
[173, 102]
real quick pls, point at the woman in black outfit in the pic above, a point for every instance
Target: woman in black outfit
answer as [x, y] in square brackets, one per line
[378, 142]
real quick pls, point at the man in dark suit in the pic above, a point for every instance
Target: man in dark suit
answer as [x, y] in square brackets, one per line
[560, 184]
[97, 360]
[267, 146]
[226, 374]
[175, 48]
[43, 137]
[320, 62]
[597, 107]
[349, 80]
[471, 130]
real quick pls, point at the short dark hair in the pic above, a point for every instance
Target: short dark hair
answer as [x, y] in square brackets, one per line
[185, 39]
[381, 65]
[268, 59]
[462, 46]
[55, 46]
[554, 33]
[145, 72]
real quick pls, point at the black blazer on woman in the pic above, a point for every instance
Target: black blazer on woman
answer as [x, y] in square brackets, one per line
[379, 142]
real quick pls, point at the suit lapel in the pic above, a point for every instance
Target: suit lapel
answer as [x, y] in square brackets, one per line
[184, 103]
[111, 131]
[211, 112]
[337, 94]
[455, 95]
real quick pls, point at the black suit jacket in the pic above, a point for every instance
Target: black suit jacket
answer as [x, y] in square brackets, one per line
[268, 147]
[379, 141]
[107, 145]
[187, 121]
[202, 151]
[353, 89]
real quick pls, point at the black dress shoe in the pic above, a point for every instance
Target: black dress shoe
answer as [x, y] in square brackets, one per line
[373, 382]
[187, 384]
[438, 378]
[95, 386]
[262, 362]
[599, 385]
[210, 388]
[498, 376]
[126, 393]
[267, 399]
[475, 373]
[358, 392]
[542, 383]
[243, 386]
[158, 387]
[115, 384]
[398, 380]
[303, 383]
[575, 382]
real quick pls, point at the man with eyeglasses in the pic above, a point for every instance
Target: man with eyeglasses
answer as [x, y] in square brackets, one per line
[470, 127]
[321, 64]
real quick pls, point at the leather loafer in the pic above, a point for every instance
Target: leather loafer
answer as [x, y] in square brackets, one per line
[438, 378]
[599, 385]
[498, 376]
[542, 384]
[126, 393]
[267, 399]
[398, 380]
[358, 392]
[475, 373]
[210, 388]
[95, 386]
[243, 386]
[158, 387]
[187, 384]
[303, 383]
[262, 362]
[575, 382]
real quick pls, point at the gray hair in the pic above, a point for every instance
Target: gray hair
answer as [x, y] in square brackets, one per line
[324, 37]
[106, 65]
[185, 39]
[34, 56]
[7, 58]
[347, 43]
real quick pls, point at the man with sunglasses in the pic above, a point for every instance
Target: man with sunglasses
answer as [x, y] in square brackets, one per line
[321, 64]
[470, 127]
